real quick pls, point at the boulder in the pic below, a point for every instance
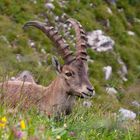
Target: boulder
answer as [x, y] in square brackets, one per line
[99, 42]
[125, 114]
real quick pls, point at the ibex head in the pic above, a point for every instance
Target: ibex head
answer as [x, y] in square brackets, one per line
[76, 78]
[74, 71]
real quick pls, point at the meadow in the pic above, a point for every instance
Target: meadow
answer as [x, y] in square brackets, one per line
[101, 120]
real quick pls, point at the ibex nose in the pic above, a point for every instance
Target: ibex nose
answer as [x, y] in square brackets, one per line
[90, 89]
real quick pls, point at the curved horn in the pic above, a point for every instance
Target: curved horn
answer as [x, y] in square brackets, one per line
[57, 39]
[81, 40]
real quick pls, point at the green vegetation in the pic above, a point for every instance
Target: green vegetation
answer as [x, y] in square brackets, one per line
[100, 121]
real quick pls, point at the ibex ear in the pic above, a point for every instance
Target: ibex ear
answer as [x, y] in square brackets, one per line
[56, 64]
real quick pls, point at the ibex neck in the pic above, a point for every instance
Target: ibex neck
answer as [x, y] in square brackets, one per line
[57, 98]
[58, 86]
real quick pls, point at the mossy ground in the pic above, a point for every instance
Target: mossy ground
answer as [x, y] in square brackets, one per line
[100, 121]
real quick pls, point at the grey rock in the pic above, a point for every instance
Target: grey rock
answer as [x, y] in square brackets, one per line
[107, 71]
[32, 43]
[111, 91]
[99, 42]
[25, 76]
[123, 70]
[125, 114]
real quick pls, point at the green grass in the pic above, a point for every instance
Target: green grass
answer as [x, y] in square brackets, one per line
[99, 122]
[83, 123]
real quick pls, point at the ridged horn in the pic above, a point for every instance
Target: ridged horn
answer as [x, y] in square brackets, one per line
[52, 34]
[81, 39]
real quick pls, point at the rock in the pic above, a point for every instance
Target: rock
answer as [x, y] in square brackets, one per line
[107, 71]
[130, 33]
[91, 4]
[87, 104]
[111, 91]
[25, 76]
[123, 71]
[49, 6]
[109, 10]
[43, 51]
[56, 18]
[125, 114]
[99, 42]
[136, 104]
[120, 10]
[64, 25]
[32, 43]
[64, 16]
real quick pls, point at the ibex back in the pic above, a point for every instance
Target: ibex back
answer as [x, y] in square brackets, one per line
[72, 79]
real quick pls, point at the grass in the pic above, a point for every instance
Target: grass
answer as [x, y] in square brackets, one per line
[99, 122]
[81, 124]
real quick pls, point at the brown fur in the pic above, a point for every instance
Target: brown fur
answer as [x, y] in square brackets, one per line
[27, 95]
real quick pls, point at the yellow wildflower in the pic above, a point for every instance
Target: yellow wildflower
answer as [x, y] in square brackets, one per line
[22, 124]
[2, 125]
[4, 120]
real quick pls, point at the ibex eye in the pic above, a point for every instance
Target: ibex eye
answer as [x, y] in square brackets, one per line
[68, 74]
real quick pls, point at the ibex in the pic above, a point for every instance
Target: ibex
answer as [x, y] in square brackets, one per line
[72, 79]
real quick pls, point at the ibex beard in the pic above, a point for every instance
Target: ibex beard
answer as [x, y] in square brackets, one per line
[72, 79]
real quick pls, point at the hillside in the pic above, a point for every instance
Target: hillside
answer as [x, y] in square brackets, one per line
[30, 50]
